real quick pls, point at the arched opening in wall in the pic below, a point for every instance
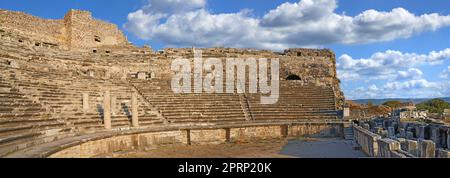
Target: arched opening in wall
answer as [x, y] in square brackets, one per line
[293, 77]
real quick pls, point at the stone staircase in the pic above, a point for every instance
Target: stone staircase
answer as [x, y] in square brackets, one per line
[296, 102]
[191, 108]
[348, 131]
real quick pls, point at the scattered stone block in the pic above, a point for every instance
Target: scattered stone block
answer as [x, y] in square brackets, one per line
[85, 102]
[91, 73]
[391, 132]
[142, 75]
[441, 153]
[409, 135]
[387, 147]
[402, 133]
[410, 146]
[14, 64]
[427, 149]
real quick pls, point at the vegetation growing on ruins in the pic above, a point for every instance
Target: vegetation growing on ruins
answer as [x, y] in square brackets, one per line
[393, 104]
[434, 106]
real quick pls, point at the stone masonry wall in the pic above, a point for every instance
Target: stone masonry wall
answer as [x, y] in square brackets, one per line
[196, 136]
[85, 32]
[78, 30]
[51, 31]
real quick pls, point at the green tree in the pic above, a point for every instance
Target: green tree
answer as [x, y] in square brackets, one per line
[393, 103]
[370, 103]
[434, 106]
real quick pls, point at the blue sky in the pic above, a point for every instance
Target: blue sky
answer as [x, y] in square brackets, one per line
[384, 48]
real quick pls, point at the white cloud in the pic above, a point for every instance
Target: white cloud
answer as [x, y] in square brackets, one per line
[396, 73]
[446, 73]
[412, 73]
[411, 84]
[388, 65]
[305, 23]
[416, 88]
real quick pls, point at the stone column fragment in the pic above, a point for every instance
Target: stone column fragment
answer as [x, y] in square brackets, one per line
[134, 110]
[85, 102]
[107, 110]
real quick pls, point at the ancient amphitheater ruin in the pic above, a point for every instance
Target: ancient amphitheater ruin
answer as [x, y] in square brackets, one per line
[60, 76]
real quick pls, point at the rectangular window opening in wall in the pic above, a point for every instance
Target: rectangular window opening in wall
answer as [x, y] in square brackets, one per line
[97, 39]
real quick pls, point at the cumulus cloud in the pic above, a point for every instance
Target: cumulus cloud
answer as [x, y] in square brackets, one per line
[446, 73]
[300, 24]
[388, 65]
[397, 74]
[416, 88]
[412, 73]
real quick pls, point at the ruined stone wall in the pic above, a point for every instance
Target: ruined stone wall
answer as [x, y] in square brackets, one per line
[78, 30]
[312, 66]
[51, 31]
[85, 32]
[141, 141]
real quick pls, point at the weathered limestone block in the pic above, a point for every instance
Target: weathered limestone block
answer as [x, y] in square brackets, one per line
[14, 64]
[402, 133]
[448, 139]
[427, 149]
[420, 130]
[91, 73]
[152, 75]
[435, 135]
[441, 153]
[409, 135]
[411, 146]
[391, 132]
[367, 140]
[141, 75]
[113, 105]
[85, 102]
[384, 133]
[366, 126]
[346, 112]
[387, 147]
[378, 130]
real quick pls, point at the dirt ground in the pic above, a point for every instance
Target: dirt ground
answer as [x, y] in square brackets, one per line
[292, 148]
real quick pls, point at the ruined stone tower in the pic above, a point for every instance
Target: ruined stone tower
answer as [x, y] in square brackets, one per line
[82, 31]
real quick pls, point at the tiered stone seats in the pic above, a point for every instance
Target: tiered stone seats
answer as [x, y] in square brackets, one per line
[38, 107]
[21, 119]
[295, 102]
[191, 108]
[64, 97]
